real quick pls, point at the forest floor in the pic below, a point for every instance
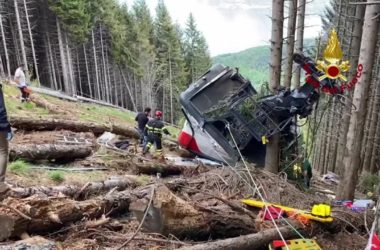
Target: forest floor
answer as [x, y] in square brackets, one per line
[115, 198]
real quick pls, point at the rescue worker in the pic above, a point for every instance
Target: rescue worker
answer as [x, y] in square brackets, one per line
[154, 130]
[142, 119]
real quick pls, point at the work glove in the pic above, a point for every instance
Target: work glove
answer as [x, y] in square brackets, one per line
[9, 135]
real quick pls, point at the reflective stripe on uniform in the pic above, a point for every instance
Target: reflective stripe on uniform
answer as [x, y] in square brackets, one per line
[154, 130]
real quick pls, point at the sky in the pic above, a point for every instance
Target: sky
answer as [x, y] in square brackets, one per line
[234, 25]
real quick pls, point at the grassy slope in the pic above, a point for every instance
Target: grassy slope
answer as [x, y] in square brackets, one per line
[25, 176]
[81, 111]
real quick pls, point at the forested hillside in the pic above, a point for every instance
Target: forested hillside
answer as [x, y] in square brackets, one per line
[253, 63]
[99, 49]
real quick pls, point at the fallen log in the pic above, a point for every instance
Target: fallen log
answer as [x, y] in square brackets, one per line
[169, 214]
[49, 152]
[165, 169]
[51, 214]
[42, 103]
[251, 241]
[89, 188]
[31, 243]
[32, 124]
[50, 124]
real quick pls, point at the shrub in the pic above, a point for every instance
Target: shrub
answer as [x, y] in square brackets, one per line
[57, 176]
[368, 182]
[19, 166]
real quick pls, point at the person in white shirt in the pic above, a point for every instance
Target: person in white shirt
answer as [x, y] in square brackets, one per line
[20, 80]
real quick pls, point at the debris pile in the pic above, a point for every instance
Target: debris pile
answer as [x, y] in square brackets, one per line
[144, 202]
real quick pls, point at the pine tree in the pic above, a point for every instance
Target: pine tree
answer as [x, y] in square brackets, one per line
[75, 16]
[273, 148]
[146, 51]
[351, 160]
[197, 57]
[170, 61]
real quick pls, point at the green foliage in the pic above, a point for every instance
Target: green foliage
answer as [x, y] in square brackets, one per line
[197, 57]
[124, 36]
[169, 57]
[19, 167]
[79, 17]
[57, 176]
[29, 105]
[144, 38]
[75, 16]
[368, 182]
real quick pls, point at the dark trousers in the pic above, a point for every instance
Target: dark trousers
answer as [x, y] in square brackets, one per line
[3, 155]
[154, 139]
[142, 136]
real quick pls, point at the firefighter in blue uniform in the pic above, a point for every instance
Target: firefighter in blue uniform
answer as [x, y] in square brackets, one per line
[154, 129]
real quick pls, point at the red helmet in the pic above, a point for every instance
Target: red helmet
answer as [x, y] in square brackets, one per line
[158, 114]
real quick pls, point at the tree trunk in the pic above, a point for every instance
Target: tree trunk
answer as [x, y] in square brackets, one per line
[299, 41]
[55, 84]
[354, 57]
[96, 67]
[79, 73]
[334, 120]
[246, 242]
[32, 44]
[272, 154]
[62, 54]
[129, 90]
[373, 121]
[272, 148]
[276, 43]
[351, 160]
[32, 152]
[374, 155]
[21, 37]
[87, 73]
[170, 214]
[77, 192]
[116, 85]
[5, 46]
[166, 169]
[2, 72]
[110, 96]
[104, 67]
[322, 154]
[42, 103]
[72, 91]
[32, 124]
[48, 215]
[171, 89]
[290, 43]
